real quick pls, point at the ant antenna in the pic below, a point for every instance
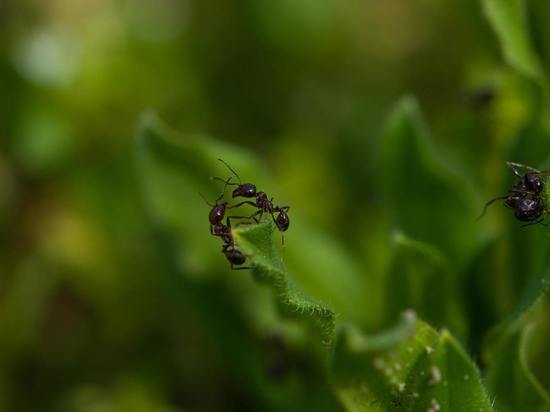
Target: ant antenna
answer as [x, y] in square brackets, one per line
[224, 189]
[219, 197]
[230, 168]
[490, 202]
[206, 200]
[224, 181]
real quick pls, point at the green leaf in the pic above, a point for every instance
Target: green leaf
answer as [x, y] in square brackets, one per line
[256, 242]
[175, 167]
[509, 376]
[410, 368]
[424, 197]
[509, 21]
[416, 270]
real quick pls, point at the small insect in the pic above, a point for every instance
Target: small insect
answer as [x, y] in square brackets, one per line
[525, 196]
[243, 189]
[217, 228]
[234, 256]
[217, 213]
[279, 214]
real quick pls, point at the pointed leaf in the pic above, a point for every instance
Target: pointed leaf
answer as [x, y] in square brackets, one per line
[423, 196]
[509, 376]
[421, 278]
[257, 243]
[509, 21]
[411, 368]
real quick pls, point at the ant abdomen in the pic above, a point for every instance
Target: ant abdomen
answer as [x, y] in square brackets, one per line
[217, 214]
[528, 210]
[282, 221]
[235, 257]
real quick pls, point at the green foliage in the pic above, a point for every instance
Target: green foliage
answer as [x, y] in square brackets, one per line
[387, 295]
[510, 375]
[509, 19]
[424, 196]
[267, 267]
[411, 368]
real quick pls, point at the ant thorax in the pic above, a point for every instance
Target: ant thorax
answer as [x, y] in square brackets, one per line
[263, 203]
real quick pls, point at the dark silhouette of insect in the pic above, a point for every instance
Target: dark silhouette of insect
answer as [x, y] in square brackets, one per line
[217, 213]
[243, 189]
[217, 228]
[233, 255]
[279, 214]
[525, 196]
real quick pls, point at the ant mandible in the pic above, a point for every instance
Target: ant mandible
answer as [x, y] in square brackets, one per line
[265, 205]
[525, 196]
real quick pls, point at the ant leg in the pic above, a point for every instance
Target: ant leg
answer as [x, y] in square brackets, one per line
[240, 268]
[227, 183]
[221, 196]
[224, 181]
[532, 223]
[490, 202]
[242, 217]
[282, 249]
[246, 202]
[284, 208]
[206, 200]
[514, 166]
[282, 240]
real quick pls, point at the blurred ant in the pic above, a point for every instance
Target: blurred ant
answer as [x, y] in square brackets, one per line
[217, 228]
[233, 255]
[265, 205]
[525, 196]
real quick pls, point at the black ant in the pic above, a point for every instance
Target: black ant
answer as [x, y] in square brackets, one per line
[233, 255]
[265, 205]
[217, 228]
[525, 196]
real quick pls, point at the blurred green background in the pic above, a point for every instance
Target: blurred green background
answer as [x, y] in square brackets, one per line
[100, 310]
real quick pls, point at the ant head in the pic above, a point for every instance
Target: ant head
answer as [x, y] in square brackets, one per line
[235, 257]
[282, 221]
[245, 190]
